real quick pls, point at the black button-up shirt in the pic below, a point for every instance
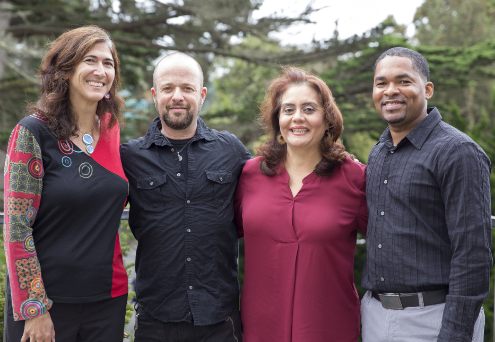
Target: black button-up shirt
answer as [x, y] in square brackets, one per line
[186, 260]
[429, 223]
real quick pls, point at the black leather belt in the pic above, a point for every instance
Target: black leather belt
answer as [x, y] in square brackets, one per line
[399, 301]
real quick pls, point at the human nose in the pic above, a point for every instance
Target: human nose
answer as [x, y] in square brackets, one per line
[177, 95]
[298, 115]
[100, 70]
[391, 89]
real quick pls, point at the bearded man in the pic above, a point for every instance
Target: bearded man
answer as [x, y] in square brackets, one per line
[182, 176]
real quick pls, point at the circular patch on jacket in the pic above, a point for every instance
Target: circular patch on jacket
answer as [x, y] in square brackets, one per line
[31, 308]
[37, 285]
[28, 244]
[31, 215]
[35, 167]
[85, 170]
[66, 146]
[66, 161]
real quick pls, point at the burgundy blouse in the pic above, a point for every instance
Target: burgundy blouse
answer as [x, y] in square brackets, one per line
[299, 283]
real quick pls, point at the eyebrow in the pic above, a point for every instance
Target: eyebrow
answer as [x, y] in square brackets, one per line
[180, 84]
[106, 59]
[397, 77]
[304, 104]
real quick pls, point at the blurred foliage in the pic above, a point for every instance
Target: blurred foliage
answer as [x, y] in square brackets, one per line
[455, 22]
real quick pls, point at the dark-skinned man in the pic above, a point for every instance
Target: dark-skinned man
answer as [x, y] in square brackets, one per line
[428, 255]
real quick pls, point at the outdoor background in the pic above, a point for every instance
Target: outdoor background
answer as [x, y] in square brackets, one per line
[242, 44]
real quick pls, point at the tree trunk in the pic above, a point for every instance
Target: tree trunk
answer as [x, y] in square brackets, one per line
[5, 15]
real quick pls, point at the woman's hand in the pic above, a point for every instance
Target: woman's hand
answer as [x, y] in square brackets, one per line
[39, 329]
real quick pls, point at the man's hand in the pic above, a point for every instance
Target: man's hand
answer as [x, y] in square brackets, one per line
[39, 329]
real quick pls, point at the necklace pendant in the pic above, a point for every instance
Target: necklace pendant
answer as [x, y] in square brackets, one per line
[87, 139]
[89, 149]
[180, 157]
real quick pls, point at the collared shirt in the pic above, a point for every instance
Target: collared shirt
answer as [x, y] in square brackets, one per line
[429, 223]
[186, 260]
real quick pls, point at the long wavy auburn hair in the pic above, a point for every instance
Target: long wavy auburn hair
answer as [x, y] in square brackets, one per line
[63, 55]
[272, 153]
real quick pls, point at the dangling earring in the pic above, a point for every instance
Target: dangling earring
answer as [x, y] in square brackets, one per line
[328, 137]
[280, 139]
[107, 96]
[66, 85]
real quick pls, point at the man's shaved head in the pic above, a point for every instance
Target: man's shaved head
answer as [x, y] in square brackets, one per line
[178, 58]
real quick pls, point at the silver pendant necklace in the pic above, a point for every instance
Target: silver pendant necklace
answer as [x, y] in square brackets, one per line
[88, 140]
[178, 152]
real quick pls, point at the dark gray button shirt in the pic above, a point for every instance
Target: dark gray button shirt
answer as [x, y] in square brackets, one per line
[186, 260]
[429, 223]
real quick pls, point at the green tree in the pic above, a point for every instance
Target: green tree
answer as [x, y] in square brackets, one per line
[455, 22]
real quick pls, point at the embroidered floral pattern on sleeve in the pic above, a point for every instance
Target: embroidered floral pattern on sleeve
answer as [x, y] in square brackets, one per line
[23, 185]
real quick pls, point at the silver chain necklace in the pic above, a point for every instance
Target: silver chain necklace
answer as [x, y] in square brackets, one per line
[178, 152]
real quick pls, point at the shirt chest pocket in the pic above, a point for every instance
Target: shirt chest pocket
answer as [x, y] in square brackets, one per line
[154, 192]
[218, 188]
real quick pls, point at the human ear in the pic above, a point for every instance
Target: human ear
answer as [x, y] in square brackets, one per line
[428, 90]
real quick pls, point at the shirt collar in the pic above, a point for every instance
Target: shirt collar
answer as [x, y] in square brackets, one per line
[418, 135]
[155, 136]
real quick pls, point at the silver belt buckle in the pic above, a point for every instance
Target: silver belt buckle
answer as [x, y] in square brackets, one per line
[391, 301]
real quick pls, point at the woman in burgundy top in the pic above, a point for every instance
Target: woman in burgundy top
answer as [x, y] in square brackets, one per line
[65, 190]
[299, 205]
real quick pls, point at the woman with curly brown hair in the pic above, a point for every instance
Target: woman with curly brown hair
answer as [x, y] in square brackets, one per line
[299, 205]
[64, 194]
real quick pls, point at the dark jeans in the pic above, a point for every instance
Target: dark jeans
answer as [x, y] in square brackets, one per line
[148, 329]
[101, 321]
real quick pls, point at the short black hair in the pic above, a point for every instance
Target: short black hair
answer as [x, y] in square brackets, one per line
[419, 62]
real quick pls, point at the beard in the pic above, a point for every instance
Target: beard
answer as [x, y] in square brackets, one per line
[179, 121]
[397, 120]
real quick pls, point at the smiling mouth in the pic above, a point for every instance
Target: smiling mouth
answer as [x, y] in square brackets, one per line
[299, 130]
[388, 104]
[95, 84]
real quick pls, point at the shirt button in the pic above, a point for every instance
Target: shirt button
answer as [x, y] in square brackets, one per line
[221, 179]
[385, 181]
[151, 183]
[379, 245]
[391, 151]
[172, 149]
[190, 287]
[188, 230]
[382, 279]
[382, 213]
[188, 259]
[188, 201]
[178, 175]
